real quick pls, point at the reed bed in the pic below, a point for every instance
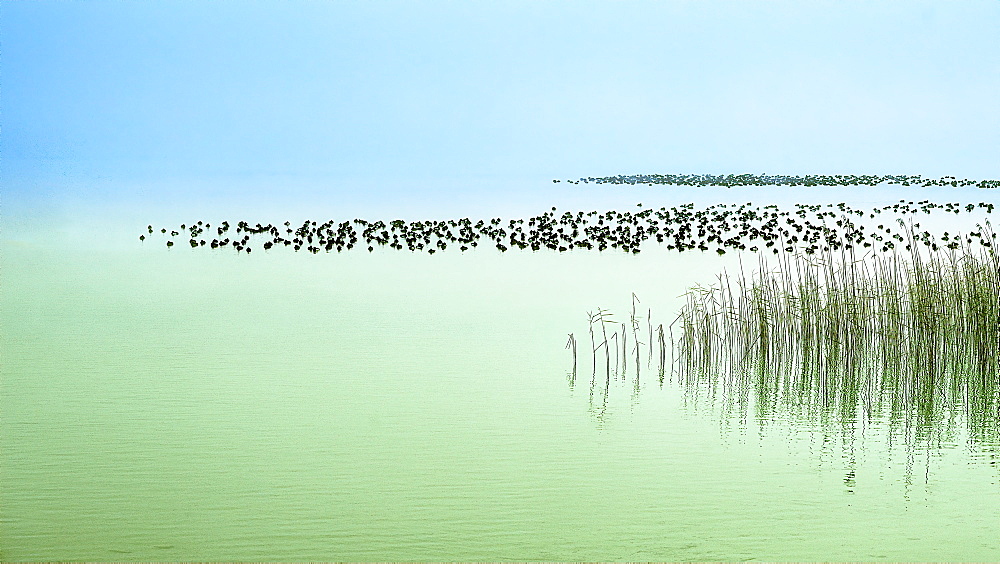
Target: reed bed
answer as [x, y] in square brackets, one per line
[911, 338]
[915, 336]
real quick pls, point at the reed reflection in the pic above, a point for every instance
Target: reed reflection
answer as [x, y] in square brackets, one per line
[617, 353]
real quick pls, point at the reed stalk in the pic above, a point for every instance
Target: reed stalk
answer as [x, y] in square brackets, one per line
[571, 344]
[649, 322]
[624, 354]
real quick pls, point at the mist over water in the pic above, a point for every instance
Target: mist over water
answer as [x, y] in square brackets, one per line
[181, 404]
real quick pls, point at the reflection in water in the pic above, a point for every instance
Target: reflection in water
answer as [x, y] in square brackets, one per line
[906, 345]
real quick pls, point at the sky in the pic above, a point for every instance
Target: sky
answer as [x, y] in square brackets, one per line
[156, 103]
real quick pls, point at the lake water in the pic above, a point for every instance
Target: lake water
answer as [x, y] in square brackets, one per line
[198, 405]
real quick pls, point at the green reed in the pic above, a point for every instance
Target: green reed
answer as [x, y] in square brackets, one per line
[571, 345]
[915, 333]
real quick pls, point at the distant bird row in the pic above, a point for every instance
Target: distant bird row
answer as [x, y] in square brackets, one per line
[809, 228]
[730, 180]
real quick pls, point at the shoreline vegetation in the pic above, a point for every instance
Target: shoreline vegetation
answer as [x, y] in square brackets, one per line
[909, 338]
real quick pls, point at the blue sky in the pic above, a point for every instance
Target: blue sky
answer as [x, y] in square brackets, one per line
[126, 101]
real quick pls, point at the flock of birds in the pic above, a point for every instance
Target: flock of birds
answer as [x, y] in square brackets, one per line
[730, 180]
[808, 228]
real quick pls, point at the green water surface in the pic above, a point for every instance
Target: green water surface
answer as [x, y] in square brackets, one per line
[191, 405]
